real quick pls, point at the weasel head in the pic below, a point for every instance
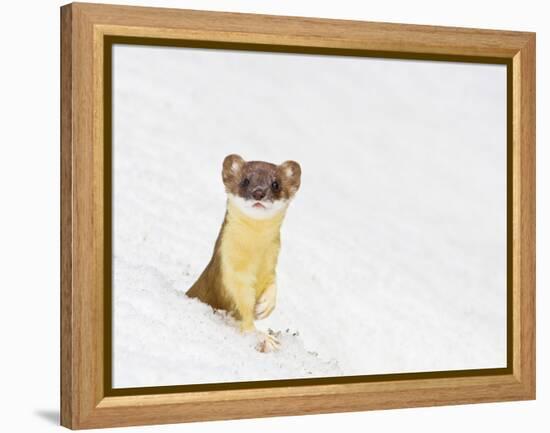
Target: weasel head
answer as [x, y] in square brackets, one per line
[260, 190]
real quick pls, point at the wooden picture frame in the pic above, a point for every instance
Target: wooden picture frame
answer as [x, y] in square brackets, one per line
[87, 34]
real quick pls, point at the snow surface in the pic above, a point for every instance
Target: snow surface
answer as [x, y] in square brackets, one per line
[393, 253]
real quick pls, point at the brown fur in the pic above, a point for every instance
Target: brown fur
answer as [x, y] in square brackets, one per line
[209, 286]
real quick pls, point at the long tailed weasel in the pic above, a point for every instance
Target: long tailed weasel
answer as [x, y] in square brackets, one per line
[241, 275]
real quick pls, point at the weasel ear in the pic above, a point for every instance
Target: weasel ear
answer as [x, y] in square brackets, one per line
[291, 172]
[231, 171]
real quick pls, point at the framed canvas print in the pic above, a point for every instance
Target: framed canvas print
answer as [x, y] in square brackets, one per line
[267, 215]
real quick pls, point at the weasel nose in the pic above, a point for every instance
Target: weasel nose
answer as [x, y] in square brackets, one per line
[258, 194]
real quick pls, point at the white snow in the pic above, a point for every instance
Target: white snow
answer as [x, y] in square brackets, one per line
[393, 252]
[171, 339]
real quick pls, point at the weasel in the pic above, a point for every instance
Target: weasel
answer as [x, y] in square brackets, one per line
[241, 275]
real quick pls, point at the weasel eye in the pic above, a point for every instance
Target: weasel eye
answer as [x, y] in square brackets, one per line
[245, 182]
[275, 186]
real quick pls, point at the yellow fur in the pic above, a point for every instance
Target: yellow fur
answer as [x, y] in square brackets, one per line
[249, 251]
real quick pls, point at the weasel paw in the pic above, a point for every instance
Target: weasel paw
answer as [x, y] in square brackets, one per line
[268, 343]
[263, 309]
[266, 304]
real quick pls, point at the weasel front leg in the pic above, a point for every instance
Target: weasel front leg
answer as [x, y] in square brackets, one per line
[263, 308]
[266, 285]
[240, 285]
[245, 299]
[245, 307]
